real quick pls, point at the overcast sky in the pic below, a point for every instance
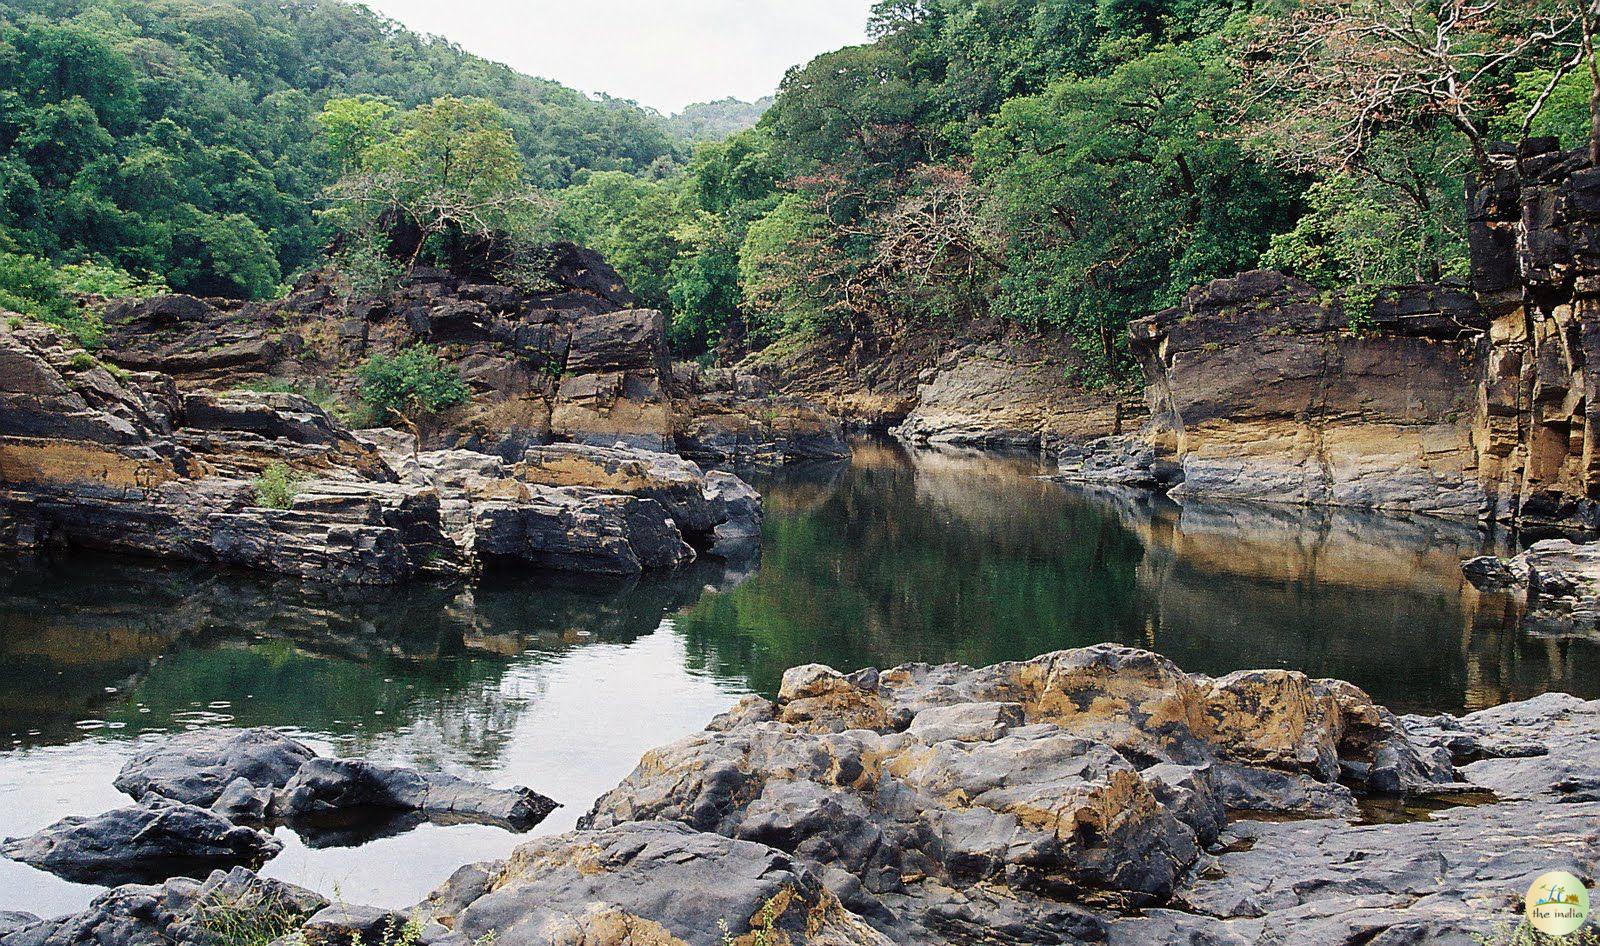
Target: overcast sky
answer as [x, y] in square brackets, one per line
[661, 53]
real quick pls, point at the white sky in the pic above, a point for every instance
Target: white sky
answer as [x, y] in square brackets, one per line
[661, 53]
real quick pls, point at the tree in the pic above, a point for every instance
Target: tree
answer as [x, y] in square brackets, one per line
[411, 384]
[1331, 76]
[451, 170]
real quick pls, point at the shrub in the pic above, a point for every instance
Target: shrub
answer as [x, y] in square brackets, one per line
[33, 287]
[414, 381]
[277, 486]
[99, 279]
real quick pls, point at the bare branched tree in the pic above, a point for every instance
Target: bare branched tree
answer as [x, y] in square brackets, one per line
[1327, 78]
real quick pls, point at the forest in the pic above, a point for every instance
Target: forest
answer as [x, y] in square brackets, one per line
[1055, 163]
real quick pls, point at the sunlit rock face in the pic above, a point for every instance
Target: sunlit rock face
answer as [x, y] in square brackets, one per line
[1263, 389]
[946, 799]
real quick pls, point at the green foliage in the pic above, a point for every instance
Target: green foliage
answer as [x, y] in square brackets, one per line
[449, 167]
[1524, 935]
[714, 121]
[277, 486]
[1145, 139]
[181, 137]
[111, 282]
[782, 270]
[633, 223]
[1565, 114]
[414, 381]
[33, 287]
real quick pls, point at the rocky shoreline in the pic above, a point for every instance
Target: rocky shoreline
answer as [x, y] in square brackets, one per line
[1094, 795]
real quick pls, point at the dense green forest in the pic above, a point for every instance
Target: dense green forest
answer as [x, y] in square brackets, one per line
[175, 139]
[1064, 163]
[1077, 163]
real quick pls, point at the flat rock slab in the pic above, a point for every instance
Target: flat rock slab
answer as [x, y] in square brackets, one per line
[326, 786]
[649, 883]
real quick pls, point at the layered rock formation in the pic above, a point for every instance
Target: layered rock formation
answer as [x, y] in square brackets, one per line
[990, 384]
[1558, 579]
[94, 456]
[1535, 257]
[1261, 388]
[575, 362]
[1443, 401]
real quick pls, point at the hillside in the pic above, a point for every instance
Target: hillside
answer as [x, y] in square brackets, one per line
[713, 121]
[175, 138]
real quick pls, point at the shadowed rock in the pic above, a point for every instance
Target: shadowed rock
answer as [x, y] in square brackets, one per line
[150, 841]
[648, 885]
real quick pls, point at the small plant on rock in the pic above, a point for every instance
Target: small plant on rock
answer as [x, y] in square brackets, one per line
[277, 486]
[416, 381]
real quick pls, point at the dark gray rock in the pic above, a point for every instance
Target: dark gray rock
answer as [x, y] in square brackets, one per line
[327, 786]
[344, 924]
[180, 912]
[150, 841]
[196, 767]
[644, 883]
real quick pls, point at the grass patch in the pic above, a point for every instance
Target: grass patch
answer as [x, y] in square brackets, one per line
[277, 486]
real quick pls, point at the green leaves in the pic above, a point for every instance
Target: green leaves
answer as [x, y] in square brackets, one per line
[414, 381]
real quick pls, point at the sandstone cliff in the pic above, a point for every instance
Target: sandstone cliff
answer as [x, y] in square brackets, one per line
[1470, 401]
[1263, 389]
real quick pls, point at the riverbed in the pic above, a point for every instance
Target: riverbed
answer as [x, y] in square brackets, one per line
[561, 684]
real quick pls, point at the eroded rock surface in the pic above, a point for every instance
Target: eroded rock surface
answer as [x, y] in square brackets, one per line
[946, 801]
[180, 912]
[104, 459]
[1260, 388]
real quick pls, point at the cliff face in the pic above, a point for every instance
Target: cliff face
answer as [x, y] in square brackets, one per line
[1262, 391]
[1465, 404]
[1536, 258]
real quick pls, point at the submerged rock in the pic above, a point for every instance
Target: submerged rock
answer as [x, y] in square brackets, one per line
[197, 767]
[260, 776]
[326, 786]
[153, 840]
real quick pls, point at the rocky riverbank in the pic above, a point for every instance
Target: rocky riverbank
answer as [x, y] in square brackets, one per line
[92, 455]
[1093, 795]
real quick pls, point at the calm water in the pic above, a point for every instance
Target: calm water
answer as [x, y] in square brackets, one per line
[561, 685]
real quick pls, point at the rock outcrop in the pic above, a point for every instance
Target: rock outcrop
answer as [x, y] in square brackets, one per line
[943, 802]
[1260, 388]
[1533, 230]
[97, 457]
[1462, 403]
[573, 362]
[1025, 802]
[1560, 582]
[150, 841]
[261, 776]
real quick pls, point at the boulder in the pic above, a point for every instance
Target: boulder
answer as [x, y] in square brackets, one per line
[330, 786]
[153, 840]
[638, 884]
[197, 767]
[180, 912]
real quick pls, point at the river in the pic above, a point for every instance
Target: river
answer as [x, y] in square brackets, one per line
[561, 684]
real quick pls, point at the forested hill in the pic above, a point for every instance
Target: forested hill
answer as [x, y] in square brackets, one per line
[175, 138]
[712, 121]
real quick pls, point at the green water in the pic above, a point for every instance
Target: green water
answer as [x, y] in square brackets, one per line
[561, 683]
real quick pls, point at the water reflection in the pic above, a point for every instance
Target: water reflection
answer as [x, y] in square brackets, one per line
[562, 684]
